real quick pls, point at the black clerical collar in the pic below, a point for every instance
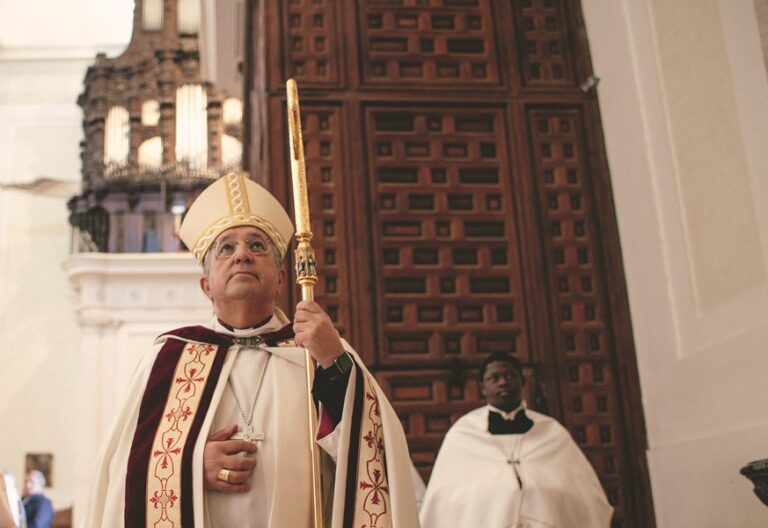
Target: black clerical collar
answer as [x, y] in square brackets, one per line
[232, 329]
[497, 424]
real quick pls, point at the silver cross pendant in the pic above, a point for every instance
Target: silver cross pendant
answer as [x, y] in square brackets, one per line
[249, 435]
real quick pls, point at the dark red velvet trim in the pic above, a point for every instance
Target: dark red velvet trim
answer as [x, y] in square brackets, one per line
[201, 334]
[150, 414]
[187, 498]
[350, 493]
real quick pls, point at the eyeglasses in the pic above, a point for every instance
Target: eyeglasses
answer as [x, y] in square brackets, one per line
[255, 246]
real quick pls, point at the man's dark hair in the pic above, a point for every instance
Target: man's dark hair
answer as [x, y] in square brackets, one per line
[499, 356]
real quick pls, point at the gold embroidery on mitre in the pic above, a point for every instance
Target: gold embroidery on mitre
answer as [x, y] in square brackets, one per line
[164, 474]
[238, 201]
[239, 214]
[222, 224]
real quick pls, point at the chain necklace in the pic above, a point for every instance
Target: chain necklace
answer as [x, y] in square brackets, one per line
[511, 446]
[248, 433]
[511, 456]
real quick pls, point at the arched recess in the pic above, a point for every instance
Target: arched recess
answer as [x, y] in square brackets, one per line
[94, 229]
[188, 21]
[152, 15]
[232, 111]
[150, 113]
[192, 126]
[117, 138]
[231, 151]
[151, 153]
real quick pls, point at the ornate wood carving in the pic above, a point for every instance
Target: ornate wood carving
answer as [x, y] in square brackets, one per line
[444, 42]
[446, 254]
[583, 343]
[313, 41]
[323, 140]
[543, 41]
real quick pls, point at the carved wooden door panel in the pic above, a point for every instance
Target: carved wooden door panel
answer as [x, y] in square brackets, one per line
[461, 205]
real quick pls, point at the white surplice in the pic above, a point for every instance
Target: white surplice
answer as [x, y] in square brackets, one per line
[538, 479]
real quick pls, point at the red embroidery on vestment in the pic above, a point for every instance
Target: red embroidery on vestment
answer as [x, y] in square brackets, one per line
[164, 479]
[372, 478]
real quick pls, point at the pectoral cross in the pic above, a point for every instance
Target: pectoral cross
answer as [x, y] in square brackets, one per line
[515, 463]
[249, 435]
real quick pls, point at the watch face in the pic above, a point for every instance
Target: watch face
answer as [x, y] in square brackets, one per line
[344, 362]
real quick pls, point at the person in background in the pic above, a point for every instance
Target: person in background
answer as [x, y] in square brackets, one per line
[503, 465]
[38, 507]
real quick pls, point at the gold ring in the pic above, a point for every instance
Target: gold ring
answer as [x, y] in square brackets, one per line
[223, 475]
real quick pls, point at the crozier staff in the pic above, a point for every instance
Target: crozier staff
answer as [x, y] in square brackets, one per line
[306, 278]
[213, 431]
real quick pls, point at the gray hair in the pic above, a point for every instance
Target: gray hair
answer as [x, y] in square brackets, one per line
[37, 477]
[272, 249]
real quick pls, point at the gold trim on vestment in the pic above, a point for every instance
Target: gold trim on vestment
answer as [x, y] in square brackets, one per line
[164, 472]
[372, 505]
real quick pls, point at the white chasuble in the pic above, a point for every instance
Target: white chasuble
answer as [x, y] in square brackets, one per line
[538, 479]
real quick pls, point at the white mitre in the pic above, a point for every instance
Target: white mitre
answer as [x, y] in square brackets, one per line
[231, 201]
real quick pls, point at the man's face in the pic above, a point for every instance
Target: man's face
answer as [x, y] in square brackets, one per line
[238, 272]
[502, 385]
[31, 486]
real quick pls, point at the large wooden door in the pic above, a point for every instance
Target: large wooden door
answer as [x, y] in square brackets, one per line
[461, 205]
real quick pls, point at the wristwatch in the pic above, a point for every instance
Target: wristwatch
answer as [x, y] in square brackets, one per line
[341, 366]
